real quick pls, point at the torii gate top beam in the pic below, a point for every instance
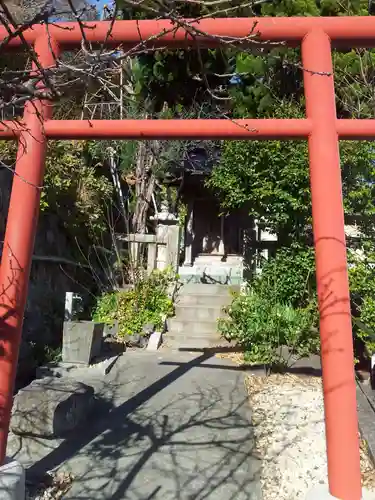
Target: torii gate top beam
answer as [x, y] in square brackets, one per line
[321, 128]
[343, 31]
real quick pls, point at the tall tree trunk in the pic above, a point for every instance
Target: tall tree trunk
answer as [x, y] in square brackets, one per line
[146, 163]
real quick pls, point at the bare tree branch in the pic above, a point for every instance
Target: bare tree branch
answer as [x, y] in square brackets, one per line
[93, 65]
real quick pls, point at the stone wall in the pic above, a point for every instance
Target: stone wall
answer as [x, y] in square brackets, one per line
[54, 272]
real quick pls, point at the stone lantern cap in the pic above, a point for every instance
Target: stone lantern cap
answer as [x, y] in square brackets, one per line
[164, 215]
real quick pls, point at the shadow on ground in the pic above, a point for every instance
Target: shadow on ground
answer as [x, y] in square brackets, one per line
[166, 426]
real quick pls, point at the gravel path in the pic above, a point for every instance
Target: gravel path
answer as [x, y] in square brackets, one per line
[289, 428]
[53, 487]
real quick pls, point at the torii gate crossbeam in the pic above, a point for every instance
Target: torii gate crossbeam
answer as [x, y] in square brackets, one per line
[321, 128]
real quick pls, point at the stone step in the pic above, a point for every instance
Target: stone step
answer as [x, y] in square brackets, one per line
[186, 342]
[203, 300]
[192, 327]
[232, 262]
[207, 289]
[198, 313]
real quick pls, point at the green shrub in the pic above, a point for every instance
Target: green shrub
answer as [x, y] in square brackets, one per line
[362, 289]
[365, 328]
[146, 303]
[289, 277]
[278, 310]
[261, 326]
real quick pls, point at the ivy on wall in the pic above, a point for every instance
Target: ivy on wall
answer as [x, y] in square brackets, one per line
[76, 187]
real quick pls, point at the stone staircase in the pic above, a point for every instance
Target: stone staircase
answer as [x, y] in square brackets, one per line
[197, 309]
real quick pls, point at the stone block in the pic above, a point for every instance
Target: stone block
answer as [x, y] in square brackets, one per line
[55, 370]
[154, 341]
[12, 481]
[82, 341]
[51, 407]
[148, 328]
[111, 330]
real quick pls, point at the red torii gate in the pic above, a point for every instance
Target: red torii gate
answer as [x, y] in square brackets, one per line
[321, 128]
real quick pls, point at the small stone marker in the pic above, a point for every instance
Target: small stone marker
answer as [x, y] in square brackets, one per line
[134, 340]
[154, 341]
[82, 341]
[51, 407]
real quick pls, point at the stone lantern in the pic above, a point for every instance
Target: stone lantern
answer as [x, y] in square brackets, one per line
[168, 238]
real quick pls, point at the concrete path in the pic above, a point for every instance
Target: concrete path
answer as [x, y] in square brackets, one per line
[168, 426]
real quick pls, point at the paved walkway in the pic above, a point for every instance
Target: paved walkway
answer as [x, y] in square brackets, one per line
[166, 427]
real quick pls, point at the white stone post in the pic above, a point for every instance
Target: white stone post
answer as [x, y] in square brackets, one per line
[69, 296]
[168, 239]
[264, 237]
[189, 235]
[221, 250]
